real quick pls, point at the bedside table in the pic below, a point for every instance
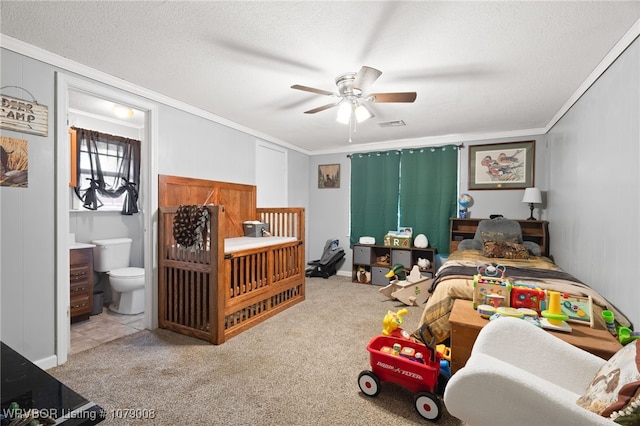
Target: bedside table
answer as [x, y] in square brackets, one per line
[466, 323]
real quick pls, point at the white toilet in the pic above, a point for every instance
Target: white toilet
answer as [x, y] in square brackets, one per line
[127, 283]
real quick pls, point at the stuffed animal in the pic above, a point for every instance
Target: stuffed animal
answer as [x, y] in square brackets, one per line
[362, 275]
[423, 263]
[392, 321]
[397, 271]
[421, 241]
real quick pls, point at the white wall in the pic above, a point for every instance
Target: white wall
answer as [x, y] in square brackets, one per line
[193, 147]
[594, 183]
[329, 209]
[27, 287]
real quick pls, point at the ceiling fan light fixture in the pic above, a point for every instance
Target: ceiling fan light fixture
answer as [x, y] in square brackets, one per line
[344, 112]
[362, 113]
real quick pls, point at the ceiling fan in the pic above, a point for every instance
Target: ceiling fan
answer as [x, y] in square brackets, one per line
[352, 96]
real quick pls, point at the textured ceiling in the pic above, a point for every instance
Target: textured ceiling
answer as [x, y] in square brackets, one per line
[477, 67]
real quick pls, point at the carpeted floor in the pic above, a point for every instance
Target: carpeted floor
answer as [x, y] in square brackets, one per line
[297, 368]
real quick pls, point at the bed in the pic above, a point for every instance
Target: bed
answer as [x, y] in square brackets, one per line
[454, 280]
[226, 283]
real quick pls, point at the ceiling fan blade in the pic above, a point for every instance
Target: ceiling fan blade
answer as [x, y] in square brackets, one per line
[322, 108]
[393, 97]
[366, 77]
[312, 90]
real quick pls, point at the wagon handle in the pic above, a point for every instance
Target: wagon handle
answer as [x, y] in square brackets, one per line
[430, 343]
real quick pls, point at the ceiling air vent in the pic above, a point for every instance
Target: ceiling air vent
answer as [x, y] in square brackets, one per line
[395, 123]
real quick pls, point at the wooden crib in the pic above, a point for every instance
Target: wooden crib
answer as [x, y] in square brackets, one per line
[213, 293]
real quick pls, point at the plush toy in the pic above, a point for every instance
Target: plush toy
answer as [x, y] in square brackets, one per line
[492, 270]
[362, 275]
[392, 321]
[421, 241]
[423, 263]
[397, 271]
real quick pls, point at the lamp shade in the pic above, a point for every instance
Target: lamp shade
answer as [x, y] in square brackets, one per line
[532, 195]
[362, 113]
[344, 112]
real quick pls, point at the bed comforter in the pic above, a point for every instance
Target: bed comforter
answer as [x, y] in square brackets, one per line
[454, 280]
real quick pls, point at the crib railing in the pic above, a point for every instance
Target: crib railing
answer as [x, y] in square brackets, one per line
[265, 281]
[215, 297]
[283, 222]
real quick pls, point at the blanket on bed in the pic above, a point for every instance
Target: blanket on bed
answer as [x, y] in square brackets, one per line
[454, 280]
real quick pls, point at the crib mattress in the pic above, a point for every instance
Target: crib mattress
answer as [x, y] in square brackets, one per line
[233, 245]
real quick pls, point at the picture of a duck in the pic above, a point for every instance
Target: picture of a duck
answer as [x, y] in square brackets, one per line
[510, 160]
[397, 272]
[504, 166]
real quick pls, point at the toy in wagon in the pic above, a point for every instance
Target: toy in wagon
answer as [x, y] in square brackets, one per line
[413, 364]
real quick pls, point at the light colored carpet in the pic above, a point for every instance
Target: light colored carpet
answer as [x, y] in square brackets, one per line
[297, 368]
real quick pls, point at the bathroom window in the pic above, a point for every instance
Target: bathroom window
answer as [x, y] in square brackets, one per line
[107, 171]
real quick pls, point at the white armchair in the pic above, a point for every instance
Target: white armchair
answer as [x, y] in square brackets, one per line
[519, 374]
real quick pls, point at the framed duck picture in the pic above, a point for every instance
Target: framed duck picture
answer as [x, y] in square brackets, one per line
[502, 165]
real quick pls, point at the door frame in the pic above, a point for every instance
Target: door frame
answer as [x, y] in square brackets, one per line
[148, 200]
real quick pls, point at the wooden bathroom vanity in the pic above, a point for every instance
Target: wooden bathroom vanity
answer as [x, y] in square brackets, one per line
[81, 283]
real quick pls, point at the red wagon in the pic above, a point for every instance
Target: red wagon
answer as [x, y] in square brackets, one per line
[403, 366]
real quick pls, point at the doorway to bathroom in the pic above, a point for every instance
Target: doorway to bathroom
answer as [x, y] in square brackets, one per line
[93, 106]
[108, 133]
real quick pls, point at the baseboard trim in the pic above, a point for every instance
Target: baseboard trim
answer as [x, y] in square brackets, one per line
[47, 363]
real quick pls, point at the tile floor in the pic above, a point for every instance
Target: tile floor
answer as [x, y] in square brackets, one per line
[103, 328]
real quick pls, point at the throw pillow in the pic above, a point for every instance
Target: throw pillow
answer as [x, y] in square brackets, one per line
[501, 236]
[614, 390]
[505, 249]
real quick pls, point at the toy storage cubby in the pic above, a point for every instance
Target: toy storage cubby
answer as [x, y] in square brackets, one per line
[372, 262]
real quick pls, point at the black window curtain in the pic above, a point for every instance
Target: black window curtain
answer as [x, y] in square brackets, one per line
[113, 166]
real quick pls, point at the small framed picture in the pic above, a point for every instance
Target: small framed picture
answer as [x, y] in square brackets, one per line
[329, 176]
[577, 308]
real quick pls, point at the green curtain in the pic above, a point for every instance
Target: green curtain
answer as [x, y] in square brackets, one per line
[375, 181]
[428, 192]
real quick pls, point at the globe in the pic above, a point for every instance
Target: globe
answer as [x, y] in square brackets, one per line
[465, 201]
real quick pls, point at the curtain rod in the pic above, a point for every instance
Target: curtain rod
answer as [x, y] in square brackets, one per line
[400, 150]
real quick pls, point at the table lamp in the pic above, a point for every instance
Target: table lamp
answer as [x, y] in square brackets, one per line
[532, 196]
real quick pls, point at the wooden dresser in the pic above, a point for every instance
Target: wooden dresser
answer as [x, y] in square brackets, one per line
[81, 283]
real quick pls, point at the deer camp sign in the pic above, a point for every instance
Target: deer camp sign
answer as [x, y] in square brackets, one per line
[23, 116]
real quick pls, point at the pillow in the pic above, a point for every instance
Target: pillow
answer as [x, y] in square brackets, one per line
[614, 390]
[501, 236]
[532, 248]
[505, 250]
